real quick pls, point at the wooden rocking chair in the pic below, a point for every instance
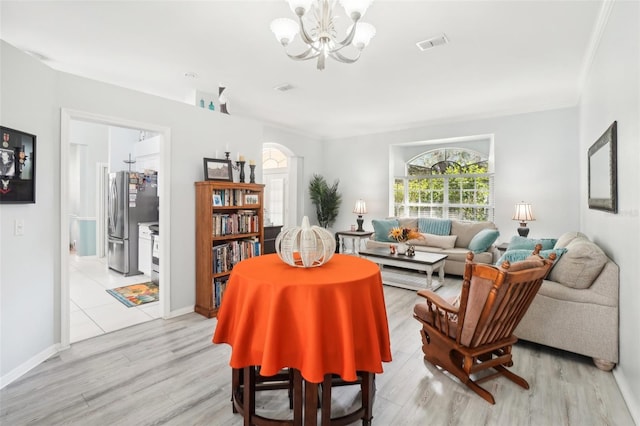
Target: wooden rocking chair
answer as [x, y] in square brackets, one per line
[477, 334]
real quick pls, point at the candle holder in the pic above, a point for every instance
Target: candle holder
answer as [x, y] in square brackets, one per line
[241, 166]
[226, 155]
[252, 174]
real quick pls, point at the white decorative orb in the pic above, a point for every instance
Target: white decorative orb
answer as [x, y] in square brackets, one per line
[305, 246]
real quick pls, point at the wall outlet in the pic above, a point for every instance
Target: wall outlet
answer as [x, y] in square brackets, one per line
[18, 228]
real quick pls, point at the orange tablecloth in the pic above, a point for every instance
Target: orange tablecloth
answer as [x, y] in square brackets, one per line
[329, 319]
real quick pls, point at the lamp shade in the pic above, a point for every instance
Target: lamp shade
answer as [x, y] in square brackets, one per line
[360, 207]
[285, 29]
[523, 212]
[364, 34]
[300, 4]
[357, 7]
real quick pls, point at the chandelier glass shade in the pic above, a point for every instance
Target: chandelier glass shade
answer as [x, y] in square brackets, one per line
[319, 34]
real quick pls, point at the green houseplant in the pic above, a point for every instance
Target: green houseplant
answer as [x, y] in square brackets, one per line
[326, 198]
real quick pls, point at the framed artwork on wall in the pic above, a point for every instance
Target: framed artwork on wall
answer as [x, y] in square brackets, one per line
[603, 171]
[216, 169]
[17, 166]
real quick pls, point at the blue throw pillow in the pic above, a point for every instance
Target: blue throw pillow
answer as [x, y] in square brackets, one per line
[483, 240]
[522, 254]
[434, 226]
[381, 229]
[522, 243]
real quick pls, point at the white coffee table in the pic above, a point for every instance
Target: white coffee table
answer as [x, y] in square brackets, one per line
[425, 262]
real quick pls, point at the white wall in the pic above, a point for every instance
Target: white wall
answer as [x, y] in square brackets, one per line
[612, 93]
[309, 153]
[122, 148]
[29, 264]
[91, 143]
[32, 97]
[536, 158]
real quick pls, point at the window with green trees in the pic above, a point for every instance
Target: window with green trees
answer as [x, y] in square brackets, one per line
[452, 183]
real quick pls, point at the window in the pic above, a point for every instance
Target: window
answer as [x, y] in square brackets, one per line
[452, 183]
[273, 158]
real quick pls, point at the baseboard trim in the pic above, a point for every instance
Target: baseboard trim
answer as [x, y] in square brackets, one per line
[27, 366]
[180, 312]
[627, 394]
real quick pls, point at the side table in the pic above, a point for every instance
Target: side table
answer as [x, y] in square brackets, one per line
[502, 247]
[353, 235]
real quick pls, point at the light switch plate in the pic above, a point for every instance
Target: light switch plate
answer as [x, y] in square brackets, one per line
[18, 228]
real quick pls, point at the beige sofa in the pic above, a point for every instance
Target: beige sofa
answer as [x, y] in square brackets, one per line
[455, 245]
[576, 309]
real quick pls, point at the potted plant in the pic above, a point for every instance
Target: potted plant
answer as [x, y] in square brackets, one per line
[326, 198]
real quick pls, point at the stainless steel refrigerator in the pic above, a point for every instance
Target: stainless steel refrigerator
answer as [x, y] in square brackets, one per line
[132, 199]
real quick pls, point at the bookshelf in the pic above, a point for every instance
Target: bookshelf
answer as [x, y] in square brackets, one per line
[229, 228]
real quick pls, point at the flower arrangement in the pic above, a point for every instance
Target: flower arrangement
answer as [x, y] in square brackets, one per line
[402, 235]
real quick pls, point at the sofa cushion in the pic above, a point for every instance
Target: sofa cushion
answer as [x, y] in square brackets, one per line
[408, 222]
[580, 265]
[518, 255]
[382, 228]
[434, 226]
[466, 230]
[567, 237]
[522, 243]
[439, 241]
[483, 240]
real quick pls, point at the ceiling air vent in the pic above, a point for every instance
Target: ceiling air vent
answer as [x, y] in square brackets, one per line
[283, 87]
[432, 42]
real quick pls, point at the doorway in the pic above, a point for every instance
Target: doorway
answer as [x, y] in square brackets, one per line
[280, 171]
[87, 309]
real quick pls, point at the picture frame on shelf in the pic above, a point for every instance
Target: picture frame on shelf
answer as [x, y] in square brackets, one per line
[17, 166]
[217, 200]
[217, 169]
[251, 199]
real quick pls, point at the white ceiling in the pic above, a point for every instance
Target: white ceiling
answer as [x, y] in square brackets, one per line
[503, 57]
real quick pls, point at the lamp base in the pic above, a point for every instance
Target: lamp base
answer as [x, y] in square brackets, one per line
[523, 231]
[360, 221]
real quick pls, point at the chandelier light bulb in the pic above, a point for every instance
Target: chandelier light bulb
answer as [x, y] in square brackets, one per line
[364, 34]
[355, 8]
[300, 7]
[285, 30]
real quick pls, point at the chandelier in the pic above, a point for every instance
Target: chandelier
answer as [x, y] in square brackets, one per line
[320, 35]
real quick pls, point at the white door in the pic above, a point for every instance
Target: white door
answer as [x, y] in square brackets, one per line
[275, 196]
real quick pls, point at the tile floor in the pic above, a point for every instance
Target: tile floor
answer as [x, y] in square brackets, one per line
[93, 310]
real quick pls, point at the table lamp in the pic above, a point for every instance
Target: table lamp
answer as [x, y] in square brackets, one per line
[523, 214]
[360, 208]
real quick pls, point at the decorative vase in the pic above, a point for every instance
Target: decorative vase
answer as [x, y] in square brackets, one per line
[305, 246]
[402, 248]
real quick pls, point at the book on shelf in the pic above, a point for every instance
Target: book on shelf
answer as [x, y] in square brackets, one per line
[226, 255]
[219, 286]
[240, 222]
[230, 197]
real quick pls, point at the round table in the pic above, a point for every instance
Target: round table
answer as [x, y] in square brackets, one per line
[323, 321]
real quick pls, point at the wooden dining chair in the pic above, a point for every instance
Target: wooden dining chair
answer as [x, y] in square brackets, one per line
[475, 332]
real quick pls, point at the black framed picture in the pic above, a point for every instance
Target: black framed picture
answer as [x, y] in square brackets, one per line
[17, 166]
[216, 169]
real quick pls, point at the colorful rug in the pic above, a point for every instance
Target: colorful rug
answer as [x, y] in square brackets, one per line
[136, 294]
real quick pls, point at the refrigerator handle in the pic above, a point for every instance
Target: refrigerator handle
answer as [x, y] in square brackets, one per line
[112, 240]
[113, 206]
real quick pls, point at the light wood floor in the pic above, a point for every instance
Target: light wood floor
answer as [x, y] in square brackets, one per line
[169, 372]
